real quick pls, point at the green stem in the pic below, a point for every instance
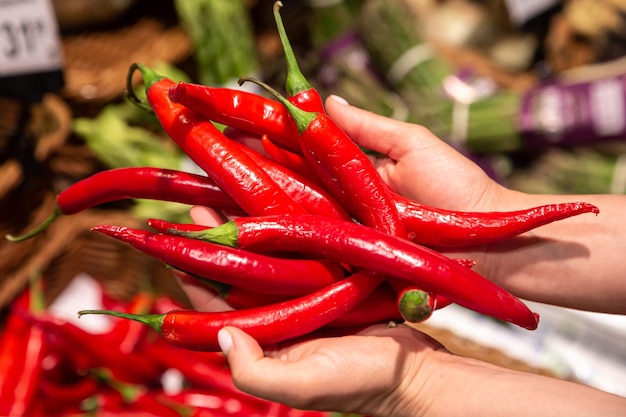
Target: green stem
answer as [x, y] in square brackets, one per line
[153, 320]
[302, 118]
[36, 230]
[225, 234]
[414, 305]
[296, 81]
[150, 77]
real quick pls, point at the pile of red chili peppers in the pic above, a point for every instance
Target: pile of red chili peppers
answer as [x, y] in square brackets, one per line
[51, 367]
[316, 242]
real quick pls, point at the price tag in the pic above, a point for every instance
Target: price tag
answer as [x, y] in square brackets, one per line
[31, 59]
[29, 37]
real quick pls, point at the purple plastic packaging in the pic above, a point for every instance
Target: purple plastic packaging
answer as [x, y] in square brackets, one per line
[574, 114]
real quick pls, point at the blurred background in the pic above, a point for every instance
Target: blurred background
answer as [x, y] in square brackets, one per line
[533, 91]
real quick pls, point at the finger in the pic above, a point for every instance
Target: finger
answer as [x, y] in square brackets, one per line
[271, 378]
[381, 134]
[201, 297]
[205, 216]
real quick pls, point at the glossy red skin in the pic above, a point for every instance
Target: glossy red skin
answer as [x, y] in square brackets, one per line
[235, 296]
[378, 307]
[143, 182]
[313, 197]
[93, 352]
[22, 347]
[364, 247]
[349, 169]
[446, 228]
[308, 100]
[270, 324]
[57, 395]
[231, 169]
[239, 109]
[233, 266]
[286, 157]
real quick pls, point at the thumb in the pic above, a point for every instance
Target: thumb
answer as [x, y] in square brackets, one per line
[270, 378]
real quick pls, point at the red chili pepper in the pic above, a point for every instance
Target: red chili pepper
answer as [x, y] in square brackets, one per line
[286, 158]
[59, 395]
[365, 247]
[312, 196]
[94, 352]
[127, 334]
[238, 109]
[221, 403]
[206, 370]
[22, 348]
[268, 325]
[446, 228]
[231, 169]
[249, 270]
[330, 150]
[137, 182]
[235, 296]
[378, 307]
[299, 90]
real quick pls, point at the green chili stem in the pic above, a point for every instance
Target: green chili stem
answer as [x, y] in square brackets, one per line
[36, 230]
[153, 320]
[225, 234]
[302, 118]
[296, 81]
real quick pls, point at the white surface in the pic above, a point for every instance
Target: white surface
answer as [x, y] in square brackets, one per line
[590, 347]
[83, 293]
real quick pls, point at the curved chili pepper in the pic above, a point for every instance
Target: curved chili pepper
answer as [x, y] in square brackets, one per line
[57, 395]
[365, 247]
[238, 109]
[137, 182]
[330, 150]
[231, 169]
[299, 90]
[309, 194]
[446, 228]
[245, 269]
[94, 352]
[268, 325]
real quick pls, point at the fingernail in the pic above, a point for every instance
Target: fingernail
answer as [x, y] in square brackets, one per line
[339, 99]
[225, 340]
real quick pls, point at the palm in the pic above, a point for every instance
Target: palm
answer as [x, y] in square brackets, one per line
[419, 165]
[325, 360]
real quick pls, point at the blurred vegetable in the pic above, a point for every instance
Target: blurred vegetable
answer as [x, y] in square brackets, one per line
[223, 38]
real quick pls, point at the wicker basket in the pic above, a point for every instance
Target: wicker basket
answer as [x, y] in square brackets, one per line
[96, 63]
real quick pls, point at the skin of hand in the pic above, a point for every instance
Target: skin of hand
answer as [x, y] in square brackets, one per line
[390, 371]
[398, 371]
[573, 260]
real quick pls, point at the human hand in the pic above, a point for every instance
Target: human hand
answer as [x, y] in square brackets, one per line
[419, 165]
[376, 371]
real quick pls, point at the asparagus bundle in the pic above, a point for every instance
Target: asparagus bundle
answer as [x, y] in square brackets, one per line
[224, 43]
